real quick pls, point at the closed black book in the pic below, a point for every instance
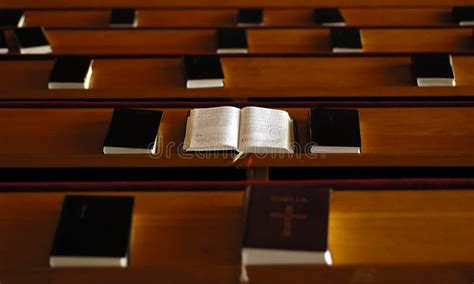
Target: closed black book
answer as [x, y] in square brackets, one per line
[32, 40]
[3, 43]
[203, 71]
[93, 231]
[231, 40]
[12, 18]
[334, 130]
[330, 17]
[346, 40]
[250, 17]
[433, 69]
[464, 15]
[71, 72]
[133, 131]
[285, 225]
[123, 18]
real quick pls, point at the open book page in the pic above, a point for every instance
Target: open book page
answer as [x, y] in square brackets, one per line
[264, 130]
[212, 129]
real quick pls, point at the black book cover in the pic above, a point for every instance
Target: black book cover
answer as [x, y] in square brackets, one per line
[202, 67]
[3, 40]
[229, 38]
[432, 65]
[123, 17]
[463, 14]
[10, 17]
[346, 38]
[94, 226]
[287, 217]
[30, 37]
[70, 69]
[327, 16]
[133, 128]
[334, 127]
[250, 16]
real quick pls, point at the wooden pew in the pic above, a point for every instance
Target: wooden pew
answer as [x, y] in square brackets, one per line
[261, 41]
[398, 236]
[226, 17]
[289, 78]
[72, 138]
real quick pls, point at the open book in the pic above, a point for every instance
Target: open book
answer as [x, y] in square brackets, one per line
[250, 130]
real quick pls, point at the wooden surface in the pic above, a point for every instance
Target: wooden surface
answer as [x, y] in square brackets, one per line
[260, 41]
[234, 4]
[254, 77]
[286, 17]
[390, 137]
[405, 236]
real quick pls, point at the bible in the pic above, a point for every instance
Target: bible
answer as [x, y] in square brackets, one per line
[231, 40]
[123, 18]
[330, 17]
[247, 130]
[203, 71]
[346, 40]
[285, 226]
[250, 17]
[93, 231]
[463, 15]
[3, 43]
[32, 40]
[71, 72]
[433, 69]
[12, 18]
[334, 130]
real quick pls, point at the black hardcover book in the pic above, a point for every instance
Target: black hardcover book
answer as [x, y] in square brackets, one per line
[133, 131]
[123, 18]
[346, 40]
[12, 18]
[3, 43]
[93, 231]
[250, 17]
[464, 15]
[328, 17]
[433, 69]
[285, 224]
[231, 40]
[32, 40]
[334, 130]
[70, 72]
[203, 71]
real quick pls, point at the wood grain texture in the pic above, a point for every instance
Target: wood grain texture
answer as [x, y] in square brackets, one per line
[230, 4]
[256, 77]
[390, 137]
[405, 236]
[260, 41]
[282, 17]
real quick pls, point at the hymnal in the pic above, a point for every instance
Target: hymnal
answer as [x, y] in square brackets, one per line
[133, 131]
[93, 231]
[123, 18]
[346, 40]
[434, 69]
[334, 130]
[32, 40]
[285, 225]
[464, 15]
[3, 43]
[231, 40]
[12, 18]
[330, 17]
[247, 130]
[250, 17]
[71, 72]
[203, 71]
